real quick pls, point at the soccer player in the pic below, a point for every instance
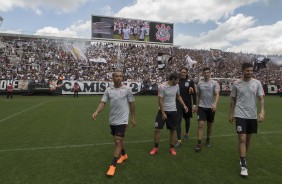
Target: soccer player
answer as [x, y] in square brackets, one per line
[167, 113]
[187, 92]
[206, 105]
[10, 90]
[125, 32]
[121, 102]
[243, 108]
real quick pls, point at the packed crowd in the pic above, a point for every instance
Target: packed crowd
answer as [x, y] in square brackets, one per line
[44, 59]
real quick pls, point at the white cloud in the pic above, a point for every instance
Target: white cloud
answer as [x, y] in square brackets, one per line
[107, 10]
[179, 11]
[60, 5]
[38, 11]
[238, 33]
[80, 29]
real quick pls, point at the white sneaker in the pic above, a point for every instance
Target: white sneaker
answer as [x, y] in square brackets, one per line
[244, 171]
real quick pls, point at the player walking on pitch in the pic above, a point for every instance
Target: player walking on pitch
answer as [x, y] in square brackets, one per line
[121, 102]
[243, 108]
[167, 113]
[206, 105]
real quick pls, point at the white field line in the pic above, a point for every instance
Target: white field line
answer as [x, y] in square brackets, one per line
[111, 143]
[23, 111]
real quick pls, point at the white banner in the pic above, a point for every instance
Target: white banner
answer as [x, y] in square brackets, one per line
[95, 87]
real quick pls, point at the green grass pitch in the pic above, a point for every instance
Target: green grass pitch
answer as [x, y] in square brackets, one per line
[53, 140]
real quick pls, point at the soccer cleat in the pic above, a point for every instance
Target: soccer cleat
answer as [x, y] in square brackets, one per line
[122, 158]
[185, 137]
[111, 171]
[198, 147]
[208, 144]
[172, 151]
[154, 151]
[178, 144]
[244, 171]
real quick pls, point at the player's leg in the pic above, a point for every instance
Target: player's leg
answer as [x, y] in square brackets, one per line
[171, 124]
[178, 127]
[209, 132]
[242, 148]
[118, 132]
[202, 117]
[187, 127]
[210, 120]
[159, 123]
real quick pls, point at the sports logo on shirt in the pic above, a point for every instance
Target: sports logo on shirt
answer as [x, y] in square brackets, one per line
[253, 87]
[156, 124]
[162, 33]
[239, 128]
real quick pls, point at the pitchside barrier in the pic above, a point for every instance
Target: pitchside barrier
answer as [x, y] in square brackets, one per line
[65, 87]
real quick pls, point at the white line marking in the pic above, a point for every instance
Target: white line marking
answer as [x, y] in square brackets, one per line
[22, 111]
[110, 143]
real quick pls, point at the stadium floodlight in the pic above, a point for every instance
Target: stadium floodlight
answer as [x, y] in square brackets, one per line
[1, 20]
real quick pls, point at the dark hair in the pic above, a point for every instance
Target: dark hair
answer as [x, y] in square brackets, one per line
[173, 76]
[206, 68]
[184, 68]
[246, 65]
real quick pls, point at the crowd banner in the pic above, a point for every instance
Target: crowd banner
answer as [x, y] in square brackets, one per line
[18, 85]
[94, 87]
[65, 87]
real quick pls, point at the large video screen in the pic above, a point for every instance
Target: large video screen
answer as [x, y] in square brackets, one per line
[114, 28]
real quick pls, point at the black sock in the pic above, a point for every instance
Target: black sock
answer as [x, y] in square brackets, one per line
[243, 161]
[122, 152]
[156, 145]
[199, 141]
[208, 140]
[171, 146]
[114, 162]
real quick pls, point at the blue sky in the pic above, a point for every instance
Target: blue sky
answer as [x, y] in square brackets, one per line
[250, 26]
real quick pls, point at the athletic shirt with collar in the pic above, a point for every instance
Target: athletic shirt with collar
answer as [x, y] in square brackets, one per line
[169, 94]
[119, 107]
[206, 91]
[246, 95]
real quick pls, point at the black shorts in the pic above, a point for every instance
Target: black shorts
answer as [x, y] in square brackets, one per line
[205, 114]
[246, 126]
[171, 121]
[118, 130]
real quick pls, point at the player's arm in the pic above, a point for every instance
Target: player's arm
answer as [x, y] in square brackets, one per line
[179, 98]
[216, 97]
[231, 109]
[261, 105]
[132, 113]
[198, 96]
[160, 100]
[100, 107]
[194, 96]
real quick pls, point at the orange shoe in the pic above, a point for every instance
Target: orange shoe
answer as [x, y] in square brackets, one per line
[111, 171]
[154, 151]
[172, 151]
[122, 158]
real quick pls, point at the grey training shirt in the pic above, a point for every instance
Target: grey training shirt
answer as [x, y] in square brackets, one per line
[169, 94]
[206, 91]
[119, 104]
[246, 95]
